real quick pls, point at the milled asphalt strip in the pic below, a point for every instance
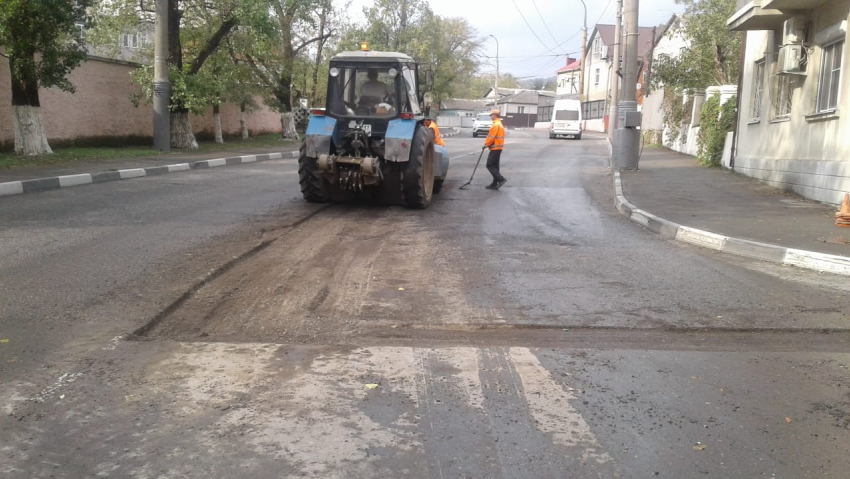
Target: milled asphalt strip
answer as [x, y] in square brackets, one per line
[54, 183]
[752, 249]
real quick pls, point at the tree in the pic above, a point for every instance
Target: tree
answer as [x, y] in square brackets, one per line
[196, 31]
[448, 46]
[43, 45]
[713, 55]
[276, 53]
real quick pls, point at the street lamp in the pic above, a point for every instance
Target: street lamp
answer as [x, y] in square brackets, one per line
[496, 89]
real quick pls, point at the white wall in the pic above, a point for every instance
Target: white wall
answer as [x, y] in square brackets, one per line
[568, 82]
[806, 153]
[671, 44]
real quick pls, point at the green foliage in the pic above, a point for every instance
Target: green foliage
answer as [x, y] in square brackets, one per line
[40, 38]
[712, 57]
[449, 46]
[677, 114]
[715, 122]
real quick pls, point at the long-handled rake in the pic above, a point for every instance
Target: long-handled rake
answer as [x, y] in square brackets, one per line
[473, 170]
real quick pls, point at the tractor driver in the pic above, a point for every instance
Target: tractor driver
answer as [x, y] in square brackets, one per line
[374, 89]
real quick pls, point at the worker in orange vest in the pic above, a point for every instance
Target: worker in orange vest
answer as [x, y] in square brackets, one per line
[438, 139]
[495, 141]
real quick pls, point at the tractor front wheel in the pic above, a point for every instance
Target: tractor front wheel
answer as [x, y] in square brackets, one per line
[417, 175]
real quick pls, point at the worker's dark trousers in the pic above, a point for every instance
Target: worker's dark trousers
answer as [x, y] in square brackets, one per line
[493, 165]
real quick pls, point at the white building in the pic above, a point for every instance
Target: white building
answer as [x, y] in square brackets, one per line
[670, 43]
[793, 127]
[568, 78]
[597, 72]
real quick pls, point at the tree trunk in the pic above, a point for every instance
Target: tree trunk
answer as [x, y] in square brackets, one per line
[287, 126]
[243, 123]
[181, 131]
[219, 138]
[30, 137]
[318, 62]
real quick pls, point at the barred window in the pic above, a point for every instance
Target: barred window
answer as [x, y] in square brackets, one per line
[830, 77]
[758, 89]
[592, 110]
[782, 105]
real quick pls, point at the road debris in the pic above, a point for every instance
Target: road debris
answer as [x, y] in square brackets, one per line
[370, 386]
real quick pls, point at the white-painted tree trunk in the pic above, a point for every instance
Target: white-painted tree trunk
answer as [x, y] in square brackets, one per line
[181, 132]
[219, 138]
[243, 125]
[30, 137]
[287, 126]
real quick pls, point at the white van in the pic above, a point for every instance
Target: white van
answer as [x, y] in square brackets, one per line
[566, 119]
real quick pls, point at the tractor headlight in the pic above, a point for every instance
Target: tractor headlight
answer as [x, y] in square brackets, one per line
[392, 73]
[334, 72]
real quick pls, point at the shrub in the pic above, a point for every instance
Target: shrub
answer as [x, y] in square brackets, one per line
[715, 122]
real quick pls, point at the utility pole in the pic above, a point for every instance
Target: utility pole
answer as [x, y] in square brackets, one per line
[627, 137]
[614, 83]
[583, 53]
[161, 85]
[496, 88]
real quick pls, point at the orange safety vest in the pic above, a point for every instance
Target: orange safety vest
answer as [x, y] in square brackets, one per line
[496, 137]
[438, 139]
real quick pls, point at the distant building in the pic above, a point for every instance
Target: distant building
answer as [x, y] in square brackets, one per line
[568, 78]
[456, 112]
[597, 73]
[670, 42]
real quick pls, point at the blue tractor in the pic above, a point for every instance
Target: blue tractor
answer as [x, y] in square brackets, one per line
[370, 141]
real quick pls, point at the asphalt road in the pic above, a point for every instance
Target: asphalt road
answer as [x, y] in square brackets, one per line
[525, 333]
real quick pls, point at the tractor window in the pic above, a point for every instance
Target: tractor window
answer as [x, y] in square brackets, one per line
[362, 92]
[411, 103]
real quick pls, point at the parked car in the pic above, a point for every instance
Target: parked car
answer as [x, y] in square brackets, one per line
[566, 119]
[481, 125]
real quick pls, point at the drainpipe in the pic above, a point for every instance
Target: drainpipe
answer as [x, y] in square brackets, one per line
[734, 151]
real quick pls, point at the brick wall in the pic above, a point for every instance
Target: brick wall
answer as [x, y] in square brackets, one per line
[101, 112]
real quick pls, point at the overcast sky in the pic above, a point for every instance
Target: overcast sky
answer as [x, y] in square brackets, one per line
[520, 52]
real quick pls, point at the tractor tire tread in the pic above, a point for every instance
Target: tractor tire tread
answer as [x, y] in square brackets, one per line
[313, 184]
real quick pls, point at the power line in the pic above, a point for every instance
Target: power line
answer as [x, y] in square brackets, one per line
[544, 22]
[529, 25]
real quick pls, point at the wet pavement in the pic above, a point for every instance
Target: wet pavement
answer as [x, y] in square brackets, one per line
[524, 333]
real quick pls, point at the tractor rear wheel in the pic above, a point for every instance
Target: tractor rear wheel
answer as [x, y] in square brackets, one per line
[313, 185]
[438, 186]
[417, 175]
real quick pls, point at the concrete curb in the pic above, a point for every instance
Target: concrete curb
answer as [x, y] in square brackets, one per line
[456, 132]
[821, 262]
[54, 183]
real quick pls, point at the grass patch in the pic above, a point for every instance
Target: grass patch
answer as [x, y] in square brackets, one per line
[72, 155]
[69, 156]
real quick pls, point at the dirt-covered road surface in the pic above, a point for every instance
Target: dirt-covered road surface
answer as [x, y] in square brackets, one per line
[212, 324]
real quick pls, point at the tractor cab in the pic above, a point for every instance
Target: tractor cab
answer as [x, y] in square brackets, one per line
[373, 88]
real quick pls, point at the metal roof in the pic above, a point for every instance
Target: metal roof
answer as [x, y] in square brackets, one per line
[370, 55]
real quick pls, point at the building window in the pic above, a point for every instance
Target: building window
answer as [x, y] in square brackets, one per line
[830, 77]
[782, 106]
[592, 110]
[81, 30]
[520, 110]
[130, 40]
[758, 89]
[596, 81]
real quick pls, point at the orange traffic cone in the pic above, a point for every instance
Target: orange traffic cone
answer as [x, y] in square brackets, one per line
[842, 218]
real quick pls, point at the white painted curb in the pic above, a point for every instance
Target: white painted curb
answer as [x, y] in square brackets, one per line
[812, 260]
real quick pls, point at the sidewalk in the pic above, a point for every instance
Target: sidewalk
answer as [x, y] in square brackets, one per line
[676, 188]
[46, 171]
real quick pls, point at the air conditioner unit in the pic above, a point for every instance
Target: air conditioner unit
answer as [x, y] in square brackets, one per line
[794, 32]
[791, 59]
